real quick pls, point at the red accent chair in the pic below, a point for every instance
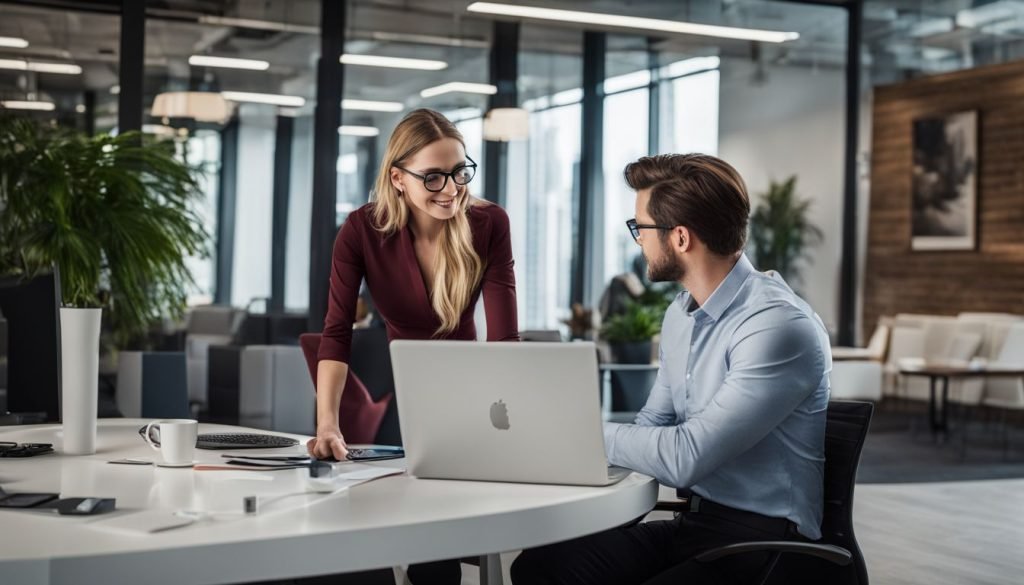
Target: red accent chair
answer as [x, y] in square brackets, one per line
[359, 416]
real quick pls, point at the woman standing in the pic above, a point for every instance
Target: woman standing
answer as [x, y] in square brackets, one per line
[427, 250]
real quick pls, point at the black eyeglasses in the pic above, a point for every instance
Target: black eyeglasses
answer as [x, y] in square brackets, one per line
[634, 228]
[436, 181]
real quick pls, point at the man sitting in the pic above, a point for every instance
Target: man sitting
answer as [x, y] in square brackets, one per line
[736, 416]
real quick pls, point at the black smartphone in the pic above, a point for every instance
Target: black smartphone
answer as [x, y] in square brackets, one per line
[375, 454]
[26, 500]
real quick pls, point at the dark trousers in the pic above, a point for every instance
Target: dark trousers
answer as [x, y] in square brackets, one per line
[652, 553]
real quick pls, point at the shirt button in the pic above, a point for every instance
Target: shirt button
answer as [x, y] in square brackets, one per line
[688, 375]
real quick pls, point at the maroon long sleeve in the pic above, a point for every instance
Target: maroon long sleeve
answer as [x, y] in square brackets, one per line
[393, 276]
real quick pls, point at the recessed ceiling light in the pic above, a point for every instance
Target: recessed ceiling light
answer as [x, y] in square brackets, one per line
[460, 87]
[24, 105]
[62, 68]
[372, 106]
[13, 64]
[22, 65]
[291, 101]
[13, 42]
[632, 22]
[359, 130]
[228, 62]
[394, 62]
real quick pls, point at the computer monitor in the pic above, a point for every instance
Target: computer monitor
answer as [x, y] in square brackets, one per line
[31, 309]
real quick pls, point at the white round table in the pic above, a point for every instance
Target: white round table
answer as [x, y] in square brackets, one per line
[391, 521]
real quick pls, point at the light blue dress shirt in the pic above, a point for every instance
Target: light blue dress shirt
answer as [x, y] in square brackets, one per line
[737, 413]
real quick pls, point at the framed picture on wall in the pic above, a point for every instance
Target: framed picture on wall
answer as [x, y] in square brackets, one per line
[944, 210]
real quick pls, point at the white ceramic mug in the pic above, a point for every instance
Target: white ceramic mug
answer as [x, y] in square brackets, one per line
[177, 440]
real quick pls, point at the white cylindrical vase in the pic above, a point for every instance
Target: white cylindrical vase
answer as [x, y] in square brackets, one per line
[79, 374]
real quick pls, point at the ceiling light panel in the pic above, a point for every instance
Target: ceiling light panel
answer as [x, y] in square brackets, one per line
[459, 87]
[228, 62]
[393, 62]
[632, 22]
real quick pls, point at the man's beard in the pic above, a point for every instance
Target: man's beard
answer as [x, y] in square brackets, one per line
[666, 269]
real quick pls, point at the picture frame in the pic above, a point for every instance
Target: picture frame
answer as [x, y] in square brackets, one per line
[944, 182]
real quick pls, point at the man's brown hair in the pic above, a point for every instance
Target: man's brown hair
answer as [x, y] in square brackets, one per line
[700, 192]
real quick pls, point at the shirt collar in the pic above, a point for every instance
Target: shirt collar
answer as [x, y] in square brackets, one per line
[723, 296]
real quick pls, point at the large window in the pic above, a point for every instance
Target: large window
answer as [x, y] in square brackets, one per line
[552, 170]
[623, 143]
[543, 174]
[281, 85]
[688, 119]
[202, 151]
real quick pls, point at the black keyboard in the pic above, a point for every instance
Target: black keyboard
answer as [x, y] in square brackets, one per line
[242, 441]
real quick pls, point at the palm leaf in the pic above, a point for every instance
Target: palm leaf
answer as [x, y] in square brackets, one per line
[117, 215]
[781, 232]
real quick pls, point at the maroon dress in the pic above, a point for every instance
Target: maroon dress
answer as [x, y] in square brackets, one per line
[396, 284]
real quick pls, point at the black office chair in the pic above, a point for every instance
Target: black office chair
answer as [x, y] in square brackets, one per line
[835, 559]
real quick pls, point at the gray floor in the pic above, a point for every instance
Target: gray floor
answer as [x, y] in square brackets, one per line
[955, 533]
[967, 532]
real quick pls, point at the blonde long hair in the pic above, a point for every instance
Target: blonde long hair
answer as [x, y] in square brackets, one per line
[458, 269]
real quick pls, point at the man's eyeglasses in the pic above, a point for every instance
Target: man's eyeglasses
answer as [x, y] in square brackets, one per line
[436, 181]
[634, 228]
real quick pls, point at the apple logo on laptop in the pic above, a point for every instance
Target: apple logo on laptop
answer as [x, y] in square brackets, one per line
[499, 416]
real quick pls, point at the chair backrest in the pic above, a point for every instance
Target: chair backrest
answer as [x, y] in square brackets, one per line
[371, 360]
[358, 416]
[540, 335]
[1011, 353]
[213, 320]
[905, 342]
[996, 326]
[846, 427]
[879, 342]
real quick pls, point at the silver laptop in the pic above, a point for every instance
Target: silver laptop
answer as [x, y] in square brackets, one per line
[518, 412]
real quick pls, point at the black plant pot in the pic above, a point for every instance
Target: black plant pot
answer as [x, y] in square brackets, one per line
[631, 352]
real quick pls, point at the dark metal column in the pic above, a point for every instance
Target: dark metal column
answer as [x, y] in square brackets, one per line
[653, 102]
[225, 237]
[369, 154]
[327, 119]
[848, 262]
[591, 180]
[132, 66]
[282, 194]
[504, 63]
[89, 99]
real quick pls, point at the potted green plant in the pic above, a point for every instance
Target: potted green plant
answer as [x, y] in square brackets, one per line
[116, 214]
[629, 334]
[781, 231]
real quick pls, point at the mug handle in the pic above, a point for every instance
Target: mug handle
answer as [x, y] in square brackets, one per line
[148, 438]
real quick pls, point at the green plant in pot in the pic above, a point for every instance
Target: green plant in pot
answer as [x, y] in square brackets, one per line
[629, 334]
[781, 231]
[116, 214]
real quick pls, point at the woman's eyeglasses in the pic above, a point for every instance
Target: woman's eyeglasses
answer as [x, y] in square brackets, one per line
[436, 181]
[634, 228]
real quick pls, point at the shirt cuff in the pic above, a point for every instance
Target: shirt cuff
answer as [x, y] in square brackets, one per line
[609, 441]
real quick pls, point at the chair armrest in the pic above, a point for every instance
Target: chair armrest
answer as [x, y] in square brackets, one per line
[834, 554]
[673, 505]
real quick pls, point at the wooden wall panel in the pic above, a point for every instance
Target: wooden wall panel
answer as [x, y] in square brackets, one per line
[989, 278]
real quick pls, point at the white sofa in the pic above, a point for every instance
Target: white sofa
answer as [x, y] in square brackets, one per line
[857, 371]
